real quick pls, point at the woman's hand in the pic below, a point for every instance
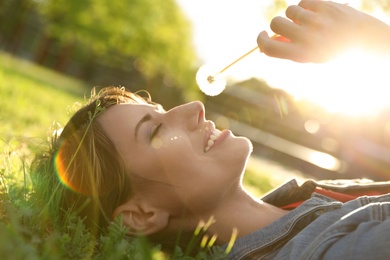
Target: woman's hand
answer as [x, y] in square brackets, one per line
[317, 30]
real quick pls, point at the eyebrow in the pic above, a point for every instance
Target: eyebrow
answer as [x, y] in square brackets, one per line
[144, 119]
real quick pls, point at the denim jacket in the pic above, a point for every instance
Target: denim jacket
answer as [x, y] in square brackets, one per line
[322, 227]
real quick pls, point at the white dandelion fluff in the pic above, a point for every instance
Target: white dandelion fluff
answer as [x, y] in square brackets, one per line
[210, 81]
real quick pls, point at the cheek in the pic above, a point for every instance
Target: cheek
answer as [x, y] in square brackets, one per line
[173, 154]
[168, 141]
[172, 148]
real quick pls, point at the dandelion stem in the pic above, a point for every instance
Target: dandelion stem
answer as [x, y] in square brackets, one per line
[237, 60]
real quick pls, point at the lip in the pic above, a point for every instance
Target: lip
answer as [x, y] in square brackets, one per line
[224, 134]
[209, 130]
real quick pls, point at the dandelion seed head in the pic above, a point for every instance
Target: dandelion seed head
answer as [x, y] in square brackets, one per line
[210, 81]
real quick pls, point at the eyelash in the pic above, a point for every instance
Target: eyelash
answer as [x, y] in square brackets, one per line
[154, 132]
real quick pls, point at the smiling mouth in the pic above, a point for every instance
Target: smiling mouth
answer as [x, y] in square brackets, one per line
[213, 136]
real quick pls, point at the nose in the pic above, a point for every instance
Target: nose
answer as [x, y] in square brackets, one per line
[189, 114]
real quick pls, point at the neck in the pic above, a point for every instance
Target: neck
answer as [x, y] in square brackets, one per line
[244, 213]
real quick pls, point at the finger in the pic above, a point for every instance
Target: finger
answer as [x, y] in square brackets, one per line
[313, 5]
[280, 38]
[298, 14]
[263, 37]
[262, 40]
[278, 49]
[286, 28]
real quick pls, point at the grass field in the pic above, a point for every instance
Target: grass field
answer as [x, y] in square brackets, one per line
[32, 100]
[33, 97]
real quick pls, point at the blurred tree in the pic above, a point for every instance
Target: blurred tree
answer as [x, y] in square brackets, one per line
[275, 8]
[13, 16]
[370, 5]
[154, 34]
[278, 6]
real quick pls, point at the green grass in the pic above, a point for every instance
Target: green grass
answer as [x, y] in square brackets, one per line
[32, 100]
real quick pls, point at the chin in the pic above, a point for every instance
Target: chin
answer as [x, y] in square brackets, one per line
[247, 149]
[248, 145]
[241, 150]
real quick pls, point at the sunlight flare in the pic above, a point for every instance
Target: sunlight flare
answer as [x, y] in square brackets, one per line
[354, 84]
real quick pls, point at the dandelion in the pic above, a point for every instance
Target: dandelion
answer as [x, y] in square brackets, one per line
[211, 81]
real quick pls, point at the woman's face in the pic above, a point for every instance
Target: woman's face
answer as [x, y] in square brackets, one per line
[172, 150]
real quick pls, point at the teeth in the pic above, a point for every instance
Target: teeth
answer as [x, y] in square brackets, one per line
[211, 140]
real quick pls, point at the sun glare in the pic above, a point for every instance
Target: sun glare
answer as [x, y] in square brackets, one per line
[356, 84]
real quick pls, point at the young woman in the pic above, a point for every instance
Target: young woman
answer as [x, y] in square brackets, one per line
[164, 172]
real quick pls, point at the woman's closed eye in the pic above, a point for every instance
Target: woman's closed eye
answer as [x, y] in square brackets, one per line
[154, 131]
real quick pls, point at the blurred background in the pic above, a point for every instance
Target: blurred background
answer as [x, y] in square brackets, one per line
[320, 121]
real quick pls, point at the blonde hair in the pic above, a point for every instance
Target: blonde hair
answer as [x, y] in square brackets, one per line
[83, 171]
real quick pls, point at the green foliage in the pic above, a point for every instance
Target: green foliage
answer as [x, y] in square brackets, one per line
[116, 245]
[275, 8]
[33, 98]
[257, 183]
[370, 6]
[278, 6]
[155, 33]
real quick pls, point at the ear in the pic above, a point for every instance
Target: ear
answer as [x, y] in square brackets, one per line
[141, 217]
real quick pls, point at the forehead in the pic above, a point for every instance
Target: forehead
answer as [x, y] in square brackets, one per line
[119, 122]
[129, 112]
